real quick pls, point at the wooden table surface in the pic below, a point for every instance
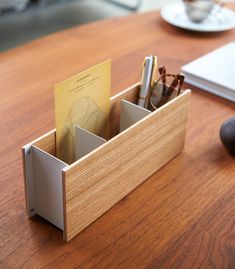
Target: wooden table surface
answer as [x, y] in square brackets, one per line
[181, 217]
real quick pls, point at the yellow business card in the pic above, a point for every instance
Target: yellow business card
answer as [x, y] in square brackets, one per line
[83, 100]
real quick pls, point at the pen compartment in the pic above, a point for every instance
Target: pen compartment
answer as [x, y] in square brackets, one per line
[73, 196]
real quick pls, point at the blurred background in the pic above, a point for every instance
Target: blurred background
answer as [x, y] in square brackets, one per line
[24, 20]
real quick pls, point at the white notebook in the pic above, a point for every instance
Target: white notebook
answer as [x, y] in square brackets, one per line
[214, 72]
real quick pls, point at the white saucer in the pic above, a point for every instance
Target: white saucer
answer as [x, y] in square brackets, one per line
[220, 21]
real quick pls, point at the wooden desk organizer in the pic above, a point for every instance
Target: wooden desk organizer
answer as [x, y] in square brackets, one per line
[73, 196]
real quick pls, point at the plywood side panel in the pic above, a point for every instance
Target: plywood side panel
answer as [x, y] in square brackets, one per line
[47, 142]
[101, 179]
[131, 94]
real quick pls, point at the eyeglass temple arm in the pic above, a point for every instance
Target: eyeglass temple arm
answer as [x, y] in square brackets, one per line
[162, 72]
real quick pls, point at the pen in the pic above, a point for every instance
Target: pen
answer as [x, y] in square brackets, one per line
[154, 72]
[146, 81]
[153, 81]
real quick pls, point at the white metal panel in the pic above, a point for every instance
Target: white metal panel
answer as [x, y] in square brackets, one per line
[86, 141]
[130, 114]
[48, 192]
[29, 183]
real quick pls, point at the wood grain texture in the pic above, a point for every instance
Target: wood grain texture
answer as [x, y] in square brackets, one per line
[181, 217]
[47, 142]
[131, 94]
[95, 183]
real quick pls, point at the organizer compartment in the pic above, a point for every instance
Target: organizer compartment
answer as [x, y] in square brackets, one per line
[79, 193]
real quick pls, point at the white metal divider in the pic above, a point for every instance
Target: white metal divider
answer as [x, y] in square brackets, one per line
[130, 114]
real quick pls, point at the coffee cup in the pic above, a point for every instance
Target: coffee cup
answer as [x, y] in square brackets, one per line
[199, 10]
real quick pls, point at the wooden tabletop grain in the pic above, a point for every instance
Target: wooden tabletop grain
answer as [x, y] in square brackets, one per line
[181, 217]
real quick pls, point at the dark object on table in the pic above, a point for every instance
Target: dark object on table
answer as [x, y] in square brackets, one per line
[227, 134]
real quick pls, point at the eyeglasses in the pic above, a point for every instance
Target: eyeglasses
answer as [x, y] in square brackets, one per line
[161, 93]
